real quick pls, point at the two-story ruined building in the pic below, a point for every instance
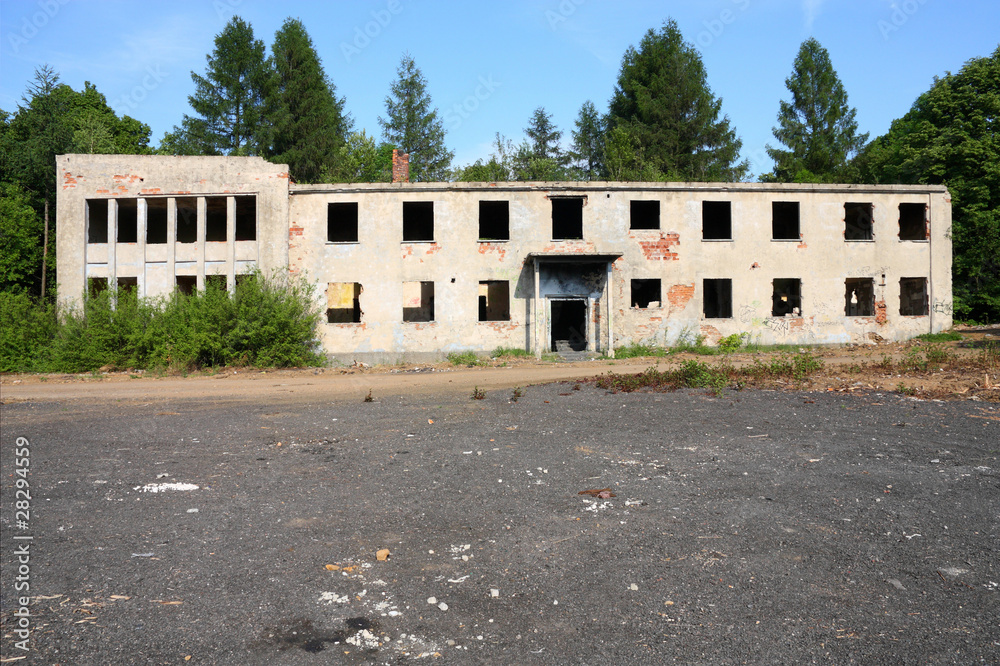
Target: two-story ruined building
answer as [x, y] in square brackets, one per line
[418, 270]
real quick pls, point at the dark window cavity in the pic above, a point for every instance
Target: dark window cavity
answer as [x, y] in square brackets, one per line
[418, 221]
[859, 297]
[97, 220]
[644, 215]
[156, 221]
[912, 222]
[186, 284]
[494, 300]
[716, 220]
[567, 218]
[418, 301]
[215, 219]
[646, 293]
[786, 297]
[343, 303]
[494, 220]
[785, 220]
[217, 282]
[128, 221]
[718, 298]
[187, 220]
[858, 222]
[96, 285]
[342, 222]
[913, 301]
[246, 218]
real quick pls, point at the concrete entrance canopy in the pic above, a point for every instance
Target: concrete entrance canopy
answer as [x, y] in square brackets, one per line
[573, 282]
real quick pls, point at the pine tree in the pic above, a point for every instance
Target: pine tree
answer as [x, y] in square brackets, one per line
[663, 100]
[230, 98]
[588, 143]
[412, 126]
[817, 125]
[308, 118]
[541, 157]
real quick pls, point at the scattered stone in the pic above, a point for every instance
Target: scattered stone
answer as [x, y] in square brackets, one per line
[432, 600]
[382, 555]
[443, 606]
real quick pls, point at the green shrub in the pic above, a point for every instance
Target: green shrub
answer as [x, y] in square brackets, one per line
[733, 343]
[944, 336]
[26, 331]
[467, 358]
[501, 352]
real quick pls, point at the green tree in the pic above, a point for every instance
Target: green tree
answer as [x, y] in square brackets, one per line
[951, 135]
[588, 143]
[360, 160]
[498, 168]
[817, 125]
[309, 121]
[663, 100]
[541, 157]
[20, 241]
[230, 100]
[413, 126]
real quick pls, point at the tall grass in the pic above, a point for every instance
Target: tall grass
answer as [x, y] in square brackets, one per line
[266, 322]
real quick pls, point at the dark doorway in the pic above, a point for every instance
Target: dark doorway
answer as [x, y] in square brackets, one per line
[569, 325]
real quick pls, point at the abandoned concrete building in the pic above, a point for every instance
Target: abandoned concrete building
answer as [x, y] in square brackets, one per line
[419, 270]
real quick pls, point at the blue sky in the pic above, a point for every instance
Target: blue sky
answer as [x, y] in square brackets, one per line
[490, 64]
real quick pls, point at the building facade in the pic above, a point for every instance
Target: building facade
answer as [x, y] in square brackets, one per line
[419, 270]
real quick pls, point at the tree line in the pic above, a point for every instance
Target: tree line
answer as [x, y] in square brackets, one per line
[661, 123]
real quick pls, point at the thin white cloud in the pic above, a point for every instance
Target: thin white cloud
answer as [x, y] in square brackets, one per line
[811, 9]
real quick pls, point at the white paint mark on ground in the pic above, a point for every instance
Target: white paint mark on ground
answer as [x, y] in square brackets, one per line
[163, 487]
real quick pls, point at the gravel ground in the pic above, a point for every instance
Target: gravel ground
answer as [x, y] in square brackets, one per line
[759, 527]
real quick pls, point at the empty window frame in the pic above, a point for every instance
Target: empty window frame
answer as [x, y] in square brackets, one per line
[858, 222]
[418, 301]
[494, 300]
[717, 220]
[912, 222]
[343, 303]
[96, 286]
[494, 220]
[718, 298]
[418, 221]
[128, 285]
[567, 218]
[785, 220]
[859, 297]
[215, 219]
[646, 293]
[215, 281]
[644, 215]
[156, 221]
[186, 284]
[187, 220]
[342, 222]
[128, 220]
[786, 297]
[246, 218]
[97, 220]
[913, 301]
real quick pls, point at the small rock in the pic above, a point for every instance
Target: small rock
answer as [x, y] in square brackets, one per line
[432, 600]
[896, 584]
[443, 606]
[382, 555]
[494, 593]
[633, 587]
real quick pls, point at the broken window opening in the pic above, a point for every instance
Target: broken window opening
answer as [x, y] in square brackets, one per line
[494, 300]
[187, 284]
[644, 215]
[912, 222]
[785, 220]
[718, 298]
[786, 298]
[494, 220]
[156, 221]
[859, 297]
[717, 220]
[215, 219]
[246, 218]
[97, 220]
[913, 301]
[418, 221]
[343, 303]
[128, 286]
[187, 220]
[646, 293]
[342, 222]
[217, 282]
[128, 220]
[242, 279]
[858, 222]
[418, 301]
[96, 286]
[567, 218]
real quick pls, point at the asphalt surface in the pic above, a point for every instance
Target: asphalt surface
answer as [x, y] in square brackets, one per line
[760, 527]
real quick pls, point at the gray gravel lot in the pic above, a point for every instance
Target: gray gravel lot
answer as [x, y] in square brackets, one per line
[759, 527]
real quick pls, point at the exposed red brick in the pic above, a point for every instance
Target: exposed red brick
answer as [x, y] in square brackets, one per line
[498, 248]
[101, 190]
[801, 245]
[659, 249]
[295, 231]
[151, 190]
[711, 333]
[502, 327]
[679, 294]
[400, 166]
[880, 315]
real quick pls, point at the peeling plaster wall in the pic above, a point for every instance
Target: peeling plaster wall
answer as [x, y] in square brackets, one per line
[146, 177]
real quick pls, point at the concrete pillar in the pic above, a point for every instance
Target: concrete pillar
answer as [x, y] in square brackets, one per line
[202, 215]
[112, 244]
[535, 313]
[141, 214]
[611, 320]
[172, 242]
[231, 244]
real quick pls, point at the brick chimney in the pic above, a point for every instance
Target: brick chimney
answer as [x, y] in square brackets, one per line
[400, 167]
